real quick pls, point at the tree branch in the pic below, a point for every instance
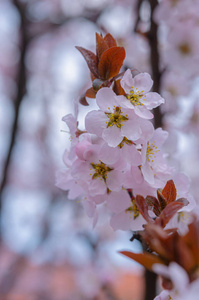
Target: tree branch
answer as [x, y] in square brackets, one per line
[21, 84]
[150, 278]
[155, 61]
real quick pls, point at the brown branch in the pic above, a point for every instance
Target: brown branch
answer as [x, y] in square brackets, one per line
[155, 61]
[40, 28]
[138, 7]
[150, 278]
[11, 275]
[21, 84]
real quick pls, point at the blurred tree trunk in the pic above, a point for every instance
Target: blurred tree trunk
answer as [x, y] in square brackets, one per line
[21, 85]
[151, 278]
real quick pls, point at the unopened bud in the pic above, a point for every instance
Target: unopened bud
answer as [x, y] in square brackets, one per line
[97, 84]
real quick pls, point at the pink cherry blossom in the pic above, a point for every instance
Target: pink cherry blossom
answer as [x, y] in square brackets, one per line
[183, 218]
[65, 181]
[112, 122]
[93, 174]
[138, 96]
[155, 168]
[129, 219]
[125, 151]
[164, 295]
[182, 288]
[183, 48]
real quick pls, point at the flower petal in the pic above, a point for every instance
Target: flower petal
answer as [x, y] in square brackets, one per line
[95, 122]
[152, 100]
[105, 98]
[112, 135]
[97, 187]
[132, 155]
[118, 201]
[109, 155]
[114, 180]
[131, 129]
[127, 81]
[148, 173]
[143, 112]
[142, 82]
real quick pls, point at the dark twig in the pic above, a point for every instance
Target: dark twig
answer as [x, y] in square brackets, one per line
[21, 84]
[150, 278]
[155, 64]
[11, 275]
[139, 3]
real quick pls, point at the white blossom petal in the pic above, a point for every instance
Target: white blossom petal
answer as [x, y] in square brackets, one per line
[105, 99]
[131, 129]
[95, 122]
[112, 135]
[142, 82]
[118, 201]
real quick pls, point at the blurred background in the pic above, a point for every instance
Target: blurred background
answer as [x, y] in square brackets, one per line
[48, 248]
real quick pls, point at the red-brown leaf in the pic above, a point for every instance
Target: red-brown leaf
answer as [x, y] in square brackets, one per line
[183, 200]
[111, 42]
[162, 199]
[101, 45]
[153, 202]
[145, 259]
[170, 210]
[91, 60]
[143, 207]
[117, 88]
[91, 93]
[191, 239]
[83, 101]
[111, 62]
[169, 191]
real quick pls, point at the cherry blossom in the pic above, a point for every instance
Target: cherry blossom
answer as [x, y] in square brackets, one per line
[155, 168]
[129, 219]
[138, 96]
[183, 47]
[112, 122]
[125, 151]
[182, 288]
[94, 175]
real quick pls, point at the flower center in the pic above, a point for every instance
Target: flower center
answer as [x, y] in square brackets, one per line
[125, 141]
[116, 118]
[184, 217]
[101, 170]
[133, 209]
[151, 151]
[185, 49]
[135, 96]
[174, 2]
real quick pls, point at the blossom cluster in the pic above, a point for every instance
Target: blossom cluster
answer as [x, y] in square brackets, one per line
[119, 154]
[118, 161]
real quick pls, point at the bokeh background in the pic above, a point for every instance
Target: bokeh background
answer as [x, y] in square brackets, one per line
[48, 248]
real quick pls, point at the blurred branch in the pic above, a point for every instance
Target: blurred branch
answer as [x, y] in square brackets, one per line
[155, 61]
[30, 30]
[21, 84]
[11, 275]
[139, 3]
[41, 28]
[150, 277]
